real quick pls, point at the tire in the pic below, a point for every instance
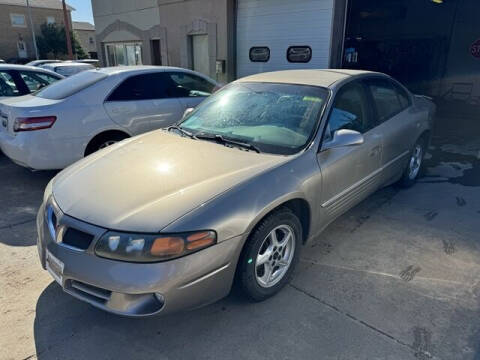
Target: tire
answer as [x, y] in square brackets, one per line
[414, 166]
[103, 141]
[280, 257]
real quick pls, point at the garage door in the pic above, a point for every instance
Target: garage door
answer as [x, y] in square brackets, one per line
[266, 29]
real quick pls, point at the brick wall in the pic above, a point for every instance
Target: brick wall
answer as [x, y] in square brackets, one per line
[10, 35]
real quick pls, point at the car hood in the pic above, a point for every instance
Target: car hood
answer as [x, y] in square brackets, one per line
[145, 183]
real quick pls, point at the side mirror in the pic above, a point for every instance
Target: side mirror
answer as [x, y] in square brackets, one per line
[344, 137]
[187, 112]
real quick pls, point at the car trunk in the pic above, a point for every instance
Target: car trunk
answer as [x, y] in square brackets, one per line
[23, 106]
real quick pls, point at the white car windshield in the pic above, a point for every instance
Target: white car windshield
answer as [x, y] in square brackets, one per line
[275, 118]
[72, 85]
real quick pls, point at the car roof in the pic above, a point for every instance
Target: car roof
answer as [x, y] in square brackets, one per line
[138, 69]
[25, 67]
[314, 77]
[62, 64]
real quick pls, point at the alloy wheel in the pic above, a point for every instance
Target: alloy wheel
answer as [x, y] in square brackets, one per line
[275, 256]
[415, 161]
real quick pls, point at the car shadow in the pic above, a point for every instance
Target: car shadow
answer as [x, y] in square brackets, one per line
[66, 328]
[21, 195]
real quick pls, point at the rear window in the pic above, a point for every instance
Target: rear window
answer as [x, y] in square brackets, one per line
[72, 85]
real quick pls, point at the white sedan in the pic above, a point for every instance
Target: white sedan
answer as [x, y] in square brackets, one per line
[67, 68]
[77, 116]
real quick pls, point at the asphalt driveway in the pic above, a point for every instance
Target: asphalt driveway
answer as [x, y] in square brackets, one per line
[397, 277]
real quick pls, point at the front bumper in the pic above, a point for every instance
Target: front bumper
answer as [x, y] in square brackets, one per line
[135, 289]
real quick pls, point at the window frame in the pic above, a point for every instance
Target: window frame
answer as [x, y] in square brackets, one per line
[299, 46]
[50, 20]
[259, 47]
[13, 15]
[394, 86]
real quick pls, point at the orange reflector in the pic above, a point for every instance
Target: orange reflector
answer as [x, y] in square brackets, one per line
[200, 235]
[200, 240]
[167, 246]
[200, 243]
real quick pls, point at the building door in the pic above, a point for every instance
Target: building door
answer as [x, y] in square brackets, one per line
[283, 34]
[200, 54]
[156, 53]
[22, 49]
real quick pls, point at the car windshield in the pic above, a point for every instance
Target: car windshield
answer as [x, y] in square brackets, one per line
[69, 86]
[275, 118]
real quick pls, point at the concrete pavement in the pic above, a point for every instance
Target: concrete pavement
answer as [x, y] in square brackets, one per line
[394, 278]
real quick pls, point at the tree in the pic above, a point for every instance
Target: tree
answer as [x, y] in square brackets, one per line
[52, 41]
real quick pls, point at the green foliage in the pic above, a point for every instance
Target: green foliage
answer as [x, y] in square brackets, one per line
[52, 42]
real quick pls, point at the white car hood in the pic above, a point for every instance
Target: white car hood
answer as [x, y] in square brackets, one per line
[145, 183]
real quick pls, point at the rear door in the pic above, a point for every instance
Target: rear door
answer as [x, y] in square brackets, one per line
[392, 106]
[141, 103]
[350, 173]
[190, 89]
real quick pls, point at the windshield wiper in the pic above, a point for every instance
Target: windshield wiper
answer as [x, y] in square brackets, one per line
[223, 140]
[181, 131]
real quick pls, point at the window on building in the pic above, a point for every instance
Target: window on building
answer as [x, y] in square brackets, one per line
[50, 20]
[18, 20]
[124, 54]
[299, 54]
[259, 54]
[188, 85]
[90, 40]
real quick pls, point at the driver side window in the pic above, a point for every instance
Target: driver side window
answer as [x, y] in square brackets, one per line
[349, 111]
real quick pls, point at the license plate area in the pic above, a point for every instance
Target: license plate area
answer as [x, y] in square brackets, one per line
[54, 267]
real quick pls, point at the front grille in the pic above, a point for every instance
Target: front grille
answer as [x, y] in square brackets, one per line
[89, 292]
[77, 239]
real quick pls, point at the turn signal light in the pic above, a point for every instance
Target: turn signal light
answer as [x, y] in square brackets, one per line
[167, 246]
[33, 123]
[200, 240]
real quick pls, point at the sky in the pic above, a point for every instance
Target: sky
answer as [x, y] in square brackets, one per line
[83, 10]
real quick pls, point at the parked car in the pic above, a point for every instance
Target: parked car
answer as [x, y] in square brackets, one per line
[17, 80]
[42, 62]
[94, 62]
[86, 112]
[167, 220]
[67, 68]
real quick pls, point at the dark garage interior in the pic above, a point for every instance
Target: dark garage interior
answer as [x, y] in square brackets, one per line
[433, 48]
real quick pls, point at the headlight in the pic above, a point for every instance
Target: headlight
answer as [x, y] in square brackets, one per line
[151, 247]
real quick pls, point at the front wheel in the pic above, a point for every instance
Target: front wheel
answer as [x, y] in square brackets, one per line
[270, 255]
[414, 165]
